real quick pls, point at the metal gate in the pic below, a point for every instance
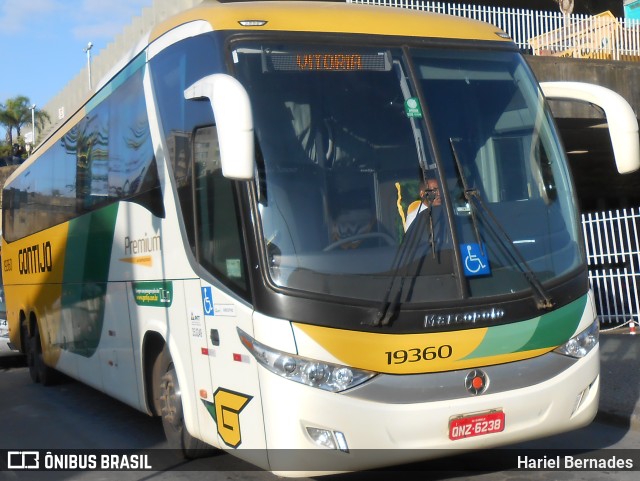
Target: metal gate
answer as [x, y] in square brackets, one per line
[613, 254]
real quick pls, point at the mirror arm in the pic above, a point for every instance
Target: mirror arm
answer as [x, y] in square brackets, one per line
[622, 121]
[234, 122]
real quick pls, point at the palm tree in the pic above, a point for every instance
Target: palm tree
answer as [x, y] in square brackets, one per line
[5, 121]
[41, 118]
[16, 112]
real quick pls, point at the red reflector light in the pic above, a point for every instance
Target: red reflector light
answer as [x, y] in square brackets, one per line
[237, 357]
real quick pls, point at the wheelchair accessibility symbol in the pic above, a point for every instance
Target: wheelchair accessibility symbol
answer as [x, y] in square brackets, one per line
[475, 260]
[207, 301]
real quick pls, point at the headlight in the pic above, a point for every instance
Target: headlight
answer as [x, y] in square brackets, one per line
[323, 375]
[580, 345]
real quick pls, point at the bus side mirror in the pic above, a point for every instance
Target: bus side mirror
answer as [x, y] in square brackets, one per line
[234, 122]
[623, 125]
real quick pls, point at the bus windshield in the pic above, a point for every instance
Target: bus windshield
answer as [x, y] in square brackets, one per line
[430, 171]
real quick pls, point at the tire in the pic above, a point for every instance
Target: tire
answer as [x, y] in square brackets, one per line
[168, 401]
[30, 350]
[46, 375]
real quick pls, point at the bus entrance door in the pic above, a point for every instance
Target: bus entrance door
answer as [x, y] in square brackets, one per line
[234, 399]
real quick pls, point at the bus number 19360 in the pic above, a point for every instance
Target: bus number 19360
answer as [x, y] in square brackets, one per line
[419, 354]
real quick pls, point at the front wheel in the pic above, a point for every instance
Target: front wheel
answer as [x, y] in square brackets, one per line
[169, 403]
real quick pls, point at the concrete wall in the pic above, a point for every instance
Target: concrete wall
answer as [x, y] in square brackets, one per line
[76, 92]
[621, 77]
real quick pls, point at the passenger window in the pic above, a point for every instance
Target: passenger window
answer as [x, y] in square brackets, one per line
[218, 237]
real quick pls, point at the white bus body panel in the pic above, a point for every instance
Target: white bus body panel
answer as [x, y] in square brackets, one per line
[536, 411]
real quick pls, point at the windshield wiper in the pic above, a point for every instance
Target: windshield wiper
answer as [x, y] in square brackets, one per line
[466, 190]
[477, 205]
[388, 308]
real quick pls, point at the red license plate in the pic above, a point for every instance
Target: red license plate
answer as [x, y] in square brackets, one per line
[476, 425]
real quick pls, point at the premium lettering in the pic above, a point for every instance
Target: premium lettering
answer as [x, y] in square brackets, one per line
[142, 245]
[35, 259]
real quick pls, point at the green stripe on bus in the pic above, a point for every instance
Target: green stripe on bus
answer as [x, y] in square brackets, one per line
[89, 246]
[548, 330]
[558, 326]
[86, 272]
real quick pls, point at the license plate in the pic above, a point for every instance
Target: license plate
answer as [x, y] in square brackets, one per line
[476, 425]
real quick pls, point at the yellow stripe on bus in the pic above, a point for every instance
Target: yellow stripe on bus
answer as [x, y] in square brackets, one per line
[410, 353]
[398, 353]
[35, 280]
[336, 18]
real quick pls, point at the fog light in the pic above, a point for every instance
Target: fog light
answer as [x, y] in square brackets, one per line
[322, 437]
[328, 439]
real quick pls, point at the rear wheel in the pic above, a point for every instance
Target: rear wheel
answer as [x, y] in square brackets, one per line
[46, 375]
[169, 406]
[29, 350]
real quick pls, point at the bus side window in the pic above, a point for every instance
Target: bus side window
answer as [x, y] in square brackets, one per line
[218, 235]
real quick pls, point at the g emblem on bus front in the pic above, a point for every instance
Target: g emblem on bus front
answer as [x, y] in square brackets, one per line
[476, 382]
[228, 406]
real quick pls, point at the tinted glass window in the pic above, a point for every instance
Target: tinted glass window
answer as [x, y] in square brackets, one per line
[352, 202]
[219, 239]
[173, 70]
[207, 199]
[106, 157]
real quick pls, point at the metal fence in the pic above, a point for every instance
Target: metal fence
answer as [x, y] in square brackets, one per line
[613, 252]
[600, 36]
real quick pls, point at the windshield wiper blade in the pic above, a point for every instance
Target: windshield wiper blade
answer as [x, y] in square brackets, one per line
[388, 308]
[543, 301]
[466, 190]
[477, 205]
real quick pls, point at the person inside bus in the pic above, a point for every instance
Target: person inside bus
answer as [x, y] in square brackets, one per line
[426, 233]
[429, 193]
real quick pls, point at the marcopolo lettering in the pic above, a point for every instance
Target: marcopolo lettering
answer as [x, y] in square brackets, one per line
[35, 259]
[434, 320]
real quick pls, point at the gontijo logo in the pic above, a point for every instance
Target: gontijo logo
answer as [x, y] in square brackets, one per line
[35, 259]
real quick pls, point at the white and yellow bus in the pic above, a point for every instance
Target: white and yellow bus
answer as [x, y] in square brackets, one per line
[221, 237]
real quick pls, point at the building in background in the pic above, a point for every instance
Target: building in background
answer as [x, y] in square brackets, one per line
[75, 93]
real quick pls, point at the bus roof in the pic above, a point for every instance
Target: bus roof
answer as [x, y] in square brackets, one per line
[332, 17]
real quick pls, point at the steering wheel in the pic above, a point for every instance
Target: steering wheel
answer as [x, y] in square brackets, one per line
[353, 238]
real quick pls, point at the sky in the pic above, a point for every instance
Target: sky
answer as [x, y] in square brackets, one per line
[42, 41]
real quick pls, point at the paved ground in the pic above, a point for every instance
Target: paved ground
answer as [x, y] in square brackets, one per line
[620, 377]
